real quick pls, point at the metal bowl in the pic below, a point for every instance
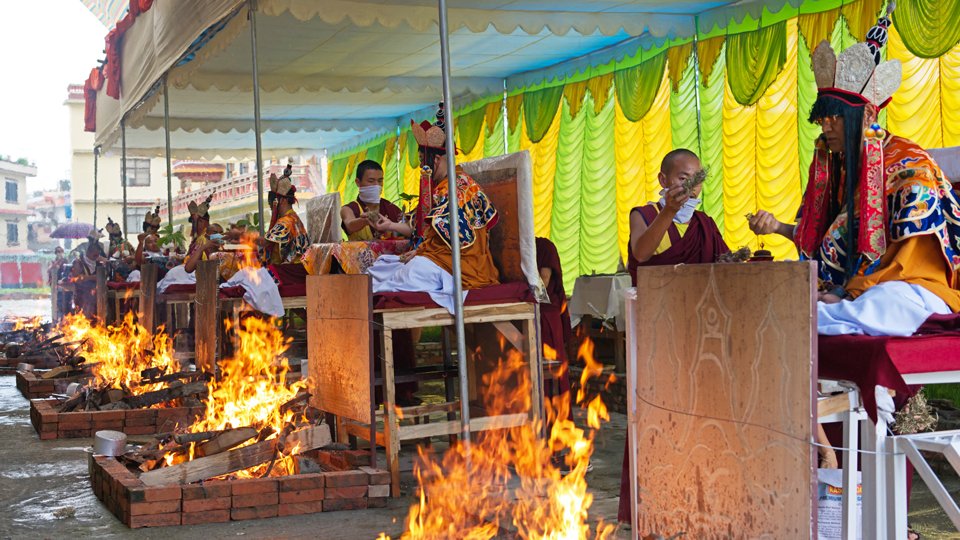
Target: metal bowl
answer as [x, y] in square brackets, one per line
[23, 366]
[109, 443]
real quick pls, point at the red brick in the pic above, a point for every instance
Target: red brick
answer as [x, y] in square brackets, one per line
[114, 425]
[376, 477]
[139, 421]
[346, 478]
[201, 505]
[108, 415]
[85, 416]
[154, 494]
[74, 423]
[141, 413]
[255, 499]
[254, 512]
[332, 505]
[209, 516]
[49, 427]
[156, 507]
[206, 491]
[350, 492]
[140, 430]
[302, 481]
[305, 495]
[72, 434]
[377, 502]
[256, 485]
[301, 508]
[154, 520]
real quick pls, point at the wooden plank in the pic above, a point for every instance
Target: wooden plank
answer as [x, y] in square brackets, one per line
[236, 460]
[205, 322]
[148, 296]
[226, 440]
[722, 380]
[101, 292]
[340, 345]
[513, 311]
[391, 433]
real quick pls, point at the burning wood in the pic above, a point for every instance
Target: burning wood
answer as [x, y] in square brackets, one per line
[464, 493]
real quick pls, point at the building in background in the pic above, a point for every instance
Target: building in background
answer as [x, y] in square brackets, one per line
[49, 210]
[19, 265]
[146, 177]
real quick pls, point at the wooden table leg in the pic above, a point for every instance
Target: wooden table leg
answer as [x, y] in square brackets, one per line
[536, 368]
[390, 428]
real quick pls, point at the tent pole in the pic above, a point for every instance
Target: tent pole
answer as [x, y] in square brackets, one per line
[256, 110]
[506, 122]
[96, 167]
[123, 169]
[166, 136]
[696, 83]
[454, 228]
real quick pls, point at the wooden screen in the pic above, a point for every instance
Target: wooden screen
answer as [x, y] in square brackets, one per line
[721, 386]
[500, 185]
[340, 345]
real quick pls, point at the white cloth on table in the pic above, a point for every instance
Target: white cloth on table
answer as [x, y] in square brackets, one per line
[419, 274]
[177, 275]
[133, 276]
[260, 290]
[891, 308]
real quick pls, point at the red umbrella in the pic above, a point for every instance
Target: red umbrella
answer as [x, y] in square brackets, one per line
[72, 230]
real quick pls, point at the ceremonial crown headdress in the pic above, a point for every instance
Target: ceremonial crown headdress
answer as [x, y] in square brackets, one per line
[200, 209]
[113, 228]
[857, 76]
[153, 218]
[432, 136]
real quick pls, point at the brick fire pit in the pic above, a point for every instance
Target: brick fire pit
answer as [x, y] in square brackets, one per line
[32, 386]
[217, 501]
[41, 361]
[51, 424]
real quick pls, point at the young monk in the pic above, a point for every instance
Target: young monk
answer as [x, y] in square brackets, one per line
[671, 231]
[371, 217]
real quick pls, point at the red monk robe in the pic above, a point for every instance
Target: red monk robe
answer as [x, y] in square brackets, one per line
[554, 317]
[696, 242]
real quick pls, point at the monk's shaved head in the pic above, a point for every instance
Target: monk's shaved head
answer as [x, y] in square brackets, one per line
[674, 157]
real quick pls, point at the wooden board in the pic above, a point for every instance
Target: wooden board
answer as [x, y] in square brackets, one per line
[500, 185]
[148, 295]
[205, 322]
[721, 383]
[340, 345]
[101, 292]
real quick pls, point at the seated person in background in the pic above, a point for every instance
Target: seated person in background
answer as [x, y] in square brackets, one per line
[554, 317]
[151, 227]
[428, 267]
[148, 252]
[673, 231]
[84, 276]
[669, 232]
[372, 217]
[119, 249]
[197, 251]
[286, 239]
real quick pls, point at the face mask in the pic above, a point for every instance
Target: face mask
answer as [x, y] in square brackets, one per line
[370, 194]
[686, 211]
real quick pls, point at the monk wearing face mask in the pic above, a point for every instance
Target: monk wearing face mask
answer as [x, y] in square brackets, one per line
[372, 217]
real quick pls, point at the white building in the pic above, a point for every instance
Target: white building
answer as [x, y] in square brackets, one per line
[13, 206]
[146, 177]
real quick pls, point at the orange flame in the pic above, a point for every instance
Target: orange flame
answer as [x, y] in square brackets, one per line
[119, 353]
[467, 493]
[26, 323]
[251, 389]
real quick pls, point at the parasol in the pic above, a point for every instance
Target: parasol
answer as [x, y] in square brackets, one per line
[72, 230]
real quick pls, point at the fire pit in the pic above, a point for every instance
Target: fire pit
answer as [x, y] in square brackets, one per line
[50, 423]
[33, 384]
[25, 340]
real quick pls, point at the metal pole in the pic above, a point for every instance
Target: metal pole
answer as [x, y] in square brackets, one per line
[166, 136]
[452, 207]
[256, 109]
[96, 166]
[696, 83]
[506, 121]
[123, 168]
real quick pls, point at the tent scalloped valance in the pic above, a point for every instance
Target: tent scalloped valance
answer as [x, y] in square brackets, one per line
[754, 59]
[539, 108]
[637, 86]
[929, 28]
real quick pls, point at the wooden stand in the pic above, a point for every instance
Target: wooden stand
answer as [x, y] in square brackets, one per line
[341, 383]
[148, 296]
[101, 292]
[205, 327]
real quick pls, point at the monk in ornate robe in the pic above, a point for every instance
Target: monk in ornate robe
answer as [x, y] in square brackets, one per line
[671, 231]
[372, 217]
[286, 240]
[83, 274]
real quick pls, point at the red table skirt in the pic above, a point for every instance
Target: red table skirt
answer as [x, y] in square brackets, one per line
[495, 294]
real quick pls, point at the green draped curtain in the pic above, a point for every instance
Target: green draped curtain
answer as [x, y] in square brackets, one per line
[754, 59]
[513, 140]
[637, 86]
[337, 169]
[539, 108]
[468, 127]
[375, 152]
[683, 111]
[493, 142]
[412, 150]
[599, 249]
[711, 132]
[806, 95]
[929, 28]
[391, 171]
[565, 222]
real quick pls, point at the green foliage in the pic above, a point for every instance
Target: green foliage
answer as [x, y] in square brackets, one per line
[252, 221]
[169, 236]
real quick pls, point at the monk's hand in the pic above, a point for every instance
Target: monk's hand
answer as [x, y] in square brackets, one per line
[405, 257]
[763, 222]
[828, 298]
[383, 224]
[675, 199]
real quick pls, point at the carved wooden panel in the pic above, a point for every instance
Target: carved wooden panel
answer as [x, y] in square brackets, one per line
[340, 345]
[721, 389]
[500, 185]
